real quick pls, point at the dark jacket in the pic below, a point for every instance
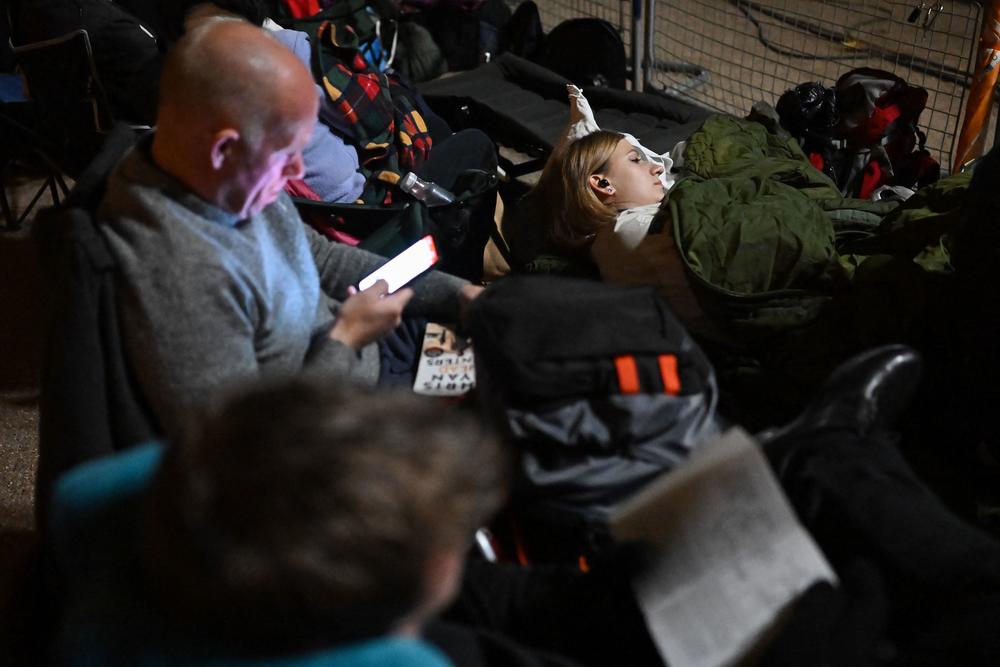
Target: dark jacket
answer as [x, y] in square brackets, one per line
[90, 404]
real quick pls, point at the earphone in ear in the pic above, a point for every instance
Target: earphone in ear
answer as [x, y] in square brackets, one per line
[603, 183]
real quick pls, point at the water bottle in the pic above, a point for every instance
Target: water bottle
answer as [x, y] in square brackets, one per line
[428, 192]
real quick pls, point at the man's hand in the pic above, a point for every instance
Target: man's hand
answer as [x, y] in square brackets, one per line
[370, 314]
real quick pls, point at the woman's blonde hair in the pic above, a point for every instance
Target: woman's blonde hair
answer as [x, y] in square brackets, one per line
[572, 210]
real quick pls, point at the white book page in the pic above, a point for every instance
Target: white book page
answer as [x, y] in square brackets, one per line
[731, 554]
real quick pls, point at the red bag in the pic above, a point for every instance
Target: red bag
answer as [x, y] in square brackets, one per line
[879, 115]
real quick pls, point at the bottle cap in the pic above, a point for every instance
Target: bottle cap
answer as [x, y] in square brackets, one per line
[408, 181]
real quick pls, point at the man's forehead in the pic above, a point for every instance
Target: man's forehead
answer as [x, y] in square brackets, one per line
[289, 134]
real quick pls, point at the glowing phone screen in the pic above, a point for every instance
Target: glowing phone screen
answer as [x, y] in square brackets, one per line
[405, 266]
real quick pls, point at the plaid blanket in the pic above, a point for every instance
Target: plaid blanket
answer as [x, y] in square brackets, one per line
[374, 110]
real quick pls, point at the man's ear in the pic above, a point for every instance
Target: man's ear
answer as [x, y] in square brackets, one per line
[223, 143]
[442, 577]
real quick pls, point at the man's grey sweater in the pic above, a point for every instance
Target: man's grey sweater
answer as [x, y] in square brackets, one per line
[209, 301]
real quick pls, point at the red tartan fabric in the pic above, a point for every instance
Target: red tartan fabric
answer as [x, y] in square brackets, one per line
[373, 110]
[301, 9]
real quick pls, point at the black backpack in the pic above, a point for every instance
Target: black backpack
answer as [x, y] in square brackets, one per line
[600, 388]
[587, 51]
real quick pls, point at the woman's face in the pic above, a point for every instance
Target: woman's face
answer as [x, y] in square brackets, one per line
[631, 180]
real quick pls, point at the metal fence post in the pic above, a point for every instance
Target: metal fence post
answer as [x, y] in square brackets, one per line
[972, 138]
[649, 61]
[638, 62]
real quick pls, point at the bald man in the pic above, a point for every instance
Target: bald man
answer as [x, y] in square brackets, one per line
[220, 282]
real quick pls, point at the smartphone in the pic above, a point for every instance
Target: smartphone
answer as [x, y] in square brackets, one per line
[405, 266]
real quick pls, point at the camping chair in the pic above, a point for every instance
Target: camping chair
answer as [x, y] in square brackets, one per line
[89, 405]
[21, 146]
[73, 112]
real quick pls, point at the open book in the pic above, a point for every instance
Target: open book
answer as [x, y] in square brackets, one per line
[731, 554]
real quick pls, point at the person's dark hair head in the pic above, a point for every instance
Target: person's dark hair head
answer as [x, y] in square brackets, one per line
[174, 13]
[308, 514]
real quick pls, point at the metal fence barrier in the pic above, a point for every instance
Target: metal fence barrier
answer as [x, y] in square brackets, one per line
[728, 54]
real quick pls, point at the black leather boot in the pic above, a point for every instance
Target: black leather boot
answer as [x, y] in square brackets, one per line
[865, 394]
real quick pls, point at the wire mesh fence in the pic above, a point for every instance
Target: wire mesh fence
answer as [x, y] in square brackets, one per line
[728, 54]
